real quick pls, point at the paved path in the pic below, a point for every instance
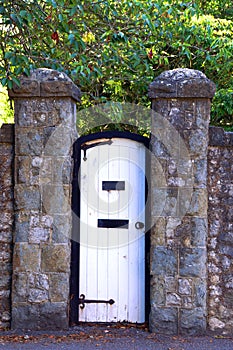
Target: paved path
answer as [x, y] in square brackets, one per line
[109, 338]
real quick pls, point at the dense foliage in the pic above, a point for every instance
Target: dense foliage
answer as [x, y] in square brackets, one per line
[113, 49]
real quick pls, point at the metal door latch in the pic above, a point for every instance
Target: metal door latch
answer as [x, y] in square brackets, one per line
[139, 225]
[82, 301]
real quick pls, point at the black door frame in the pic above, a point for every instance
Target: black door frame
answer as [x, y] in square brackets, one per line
[75, 205]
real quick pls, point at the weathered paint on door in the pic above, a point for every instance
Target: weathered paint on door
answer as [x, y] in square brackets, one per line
[112, 258]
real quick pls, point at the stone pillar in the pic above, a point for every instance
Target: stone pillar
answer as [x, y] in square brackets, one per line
[45, 129]
[181, 105]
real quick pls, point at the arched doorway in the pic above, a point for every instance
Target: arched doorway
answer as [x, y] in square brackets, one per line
[109, 245]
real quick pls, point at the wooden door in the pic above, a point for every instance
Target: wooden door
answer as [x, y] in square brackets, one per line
[112, 237]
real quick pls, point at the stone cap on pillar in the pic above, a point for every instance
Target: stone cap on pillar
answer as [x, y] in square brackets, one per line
[44, 82]
[182, 82]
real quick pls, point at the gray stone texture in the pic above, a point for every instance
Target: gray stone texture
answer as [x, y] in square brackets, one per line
[45, 129]
[220, 239]
[179, 143]
[6, 221]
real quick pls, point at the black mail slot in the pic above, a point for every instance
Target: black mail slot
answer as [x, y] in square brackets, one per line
[113, 223]
[113, 185]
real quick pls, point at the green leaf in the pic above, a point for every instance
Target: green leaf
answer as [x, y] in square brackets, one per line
[4, 81]
[16, 81]
[10, 84]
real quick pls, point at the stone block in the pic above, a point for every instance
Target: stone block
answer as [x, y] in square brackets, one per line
[59, 88]
[20, 287]
[199, 292]
[193, 262]
[45, 82]
[22, 166]
[59, 287]
[26, 257]
[28, 87]
[56, 199]
[192, 322]
[182, 82]
[186, 302]
[200, 173]
[158, 291]
[61, 228]
[40, 229]
[196, 141]
[25, 316]
[22, 220]
[54, 316]
[58, 141]
[192, 232]
[171, 284]
[62, 170]
[55, 258]
[44, 112]
[185, 286]
[172, 224]
[38, 283]
[29, 141]
[167, 202]
[199, 228]
[46, 170]
[216, 324]
[164, 261]
[164, 320]
[198, 203]
[173, 299]
[202, 111]
[27, 197]
[159, 200]
[66, 112]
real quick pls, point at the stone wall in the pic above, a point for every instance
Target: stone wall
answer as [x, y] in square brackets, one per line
[6, 221]
[181, 105]
[191, 263]
[45, 129]
[220, 239]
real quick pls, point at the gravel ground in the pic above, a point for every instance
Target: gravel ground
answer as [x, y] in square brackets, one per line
[109, 337]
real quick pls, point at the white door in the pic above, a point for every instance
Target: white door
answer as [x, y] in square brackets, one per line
[112, 237]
